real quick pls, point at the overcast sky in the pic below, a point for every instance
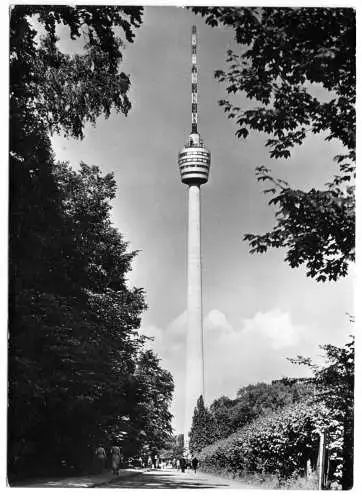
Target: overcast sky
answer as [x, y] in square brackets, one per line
[258, 311]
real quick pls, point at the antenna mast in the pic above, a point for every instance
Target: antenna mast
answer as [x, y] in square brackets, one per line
[194, 80]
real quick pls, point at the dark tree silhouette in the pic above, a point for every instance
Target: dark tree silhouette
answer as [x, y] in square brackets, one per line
[202, 428]
[74, 347]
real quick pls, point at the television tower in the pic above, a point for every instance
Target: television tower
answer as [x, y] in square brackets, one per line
[194, 164]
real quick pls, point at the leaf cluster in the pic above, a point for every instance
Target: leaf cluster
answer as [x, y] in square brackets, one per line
[60, 91]
[281, 55]
[317, 227]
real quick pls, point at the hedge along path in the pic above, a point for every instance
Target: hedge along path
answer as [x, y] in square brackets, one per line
[279, 443]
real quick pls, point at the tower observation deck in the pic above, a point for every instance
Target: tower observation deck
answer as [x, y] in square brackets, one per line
[194, 164]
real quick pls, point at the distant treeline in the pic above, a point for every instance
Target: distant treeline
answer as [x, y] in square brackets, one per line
[225, 415]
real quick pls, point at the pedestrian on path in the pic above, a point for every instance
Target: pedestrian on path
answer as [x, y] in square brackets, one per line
[116, 458]
[194, 463]
[100, 459]
[182, 464]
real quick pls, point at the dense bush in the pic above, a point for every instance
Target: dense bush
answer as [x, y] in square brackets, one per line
[279, 444]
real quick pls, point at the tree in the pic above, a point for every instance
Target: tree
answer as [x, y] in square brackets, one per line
[52, 91]
[60, 91]
[180, 446]
[41, 101]
[334, 382]
[73, 343]
[286, 54]
[221, 410]
[253, 401]
[202, 428]
[153, 395]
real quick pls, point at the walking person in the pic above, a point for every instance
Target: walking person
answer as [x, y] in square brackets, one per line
[182, 464]
[116, 458]
[194, 463]
[100, 459]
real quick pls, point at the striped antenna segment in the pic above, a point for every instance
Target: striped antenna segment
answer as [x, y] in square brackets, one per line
[194, 81]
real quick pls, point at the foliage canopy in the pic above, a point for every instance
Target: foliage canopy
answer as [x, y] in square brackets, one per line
[78, 370]
[297, 67]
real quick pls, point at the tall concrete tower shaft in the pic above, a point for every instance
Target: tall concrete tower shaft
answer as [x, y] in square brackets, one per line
[194, 163]
[195, 373]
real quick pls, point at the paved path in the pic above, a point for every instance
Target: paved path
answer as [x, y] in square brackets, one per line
[87, 481]
[172, 479]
